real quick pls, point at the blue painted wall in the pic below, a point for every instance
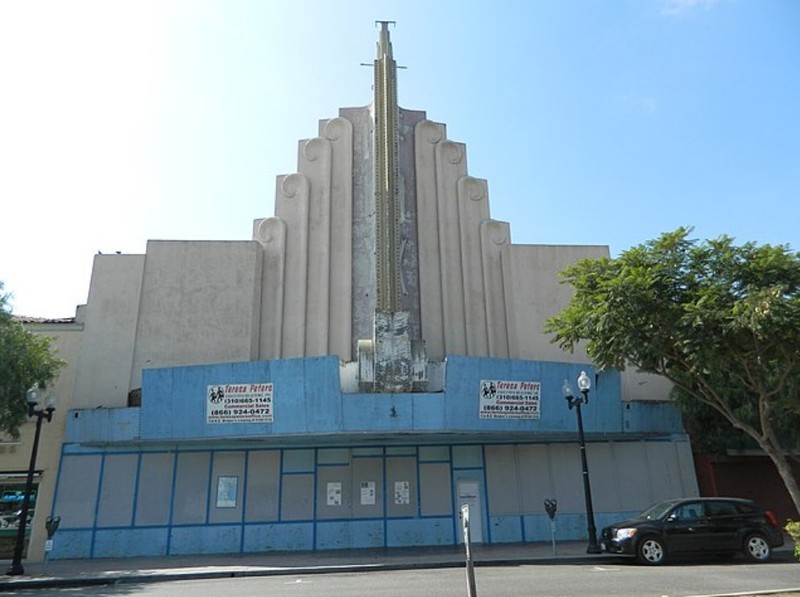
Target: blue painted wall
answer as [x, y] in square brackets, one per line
[307, 400]
[309, 407]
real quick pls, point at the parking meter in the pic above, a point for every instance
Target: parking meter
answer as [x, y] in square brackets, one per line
[51, 524]
[550, 506]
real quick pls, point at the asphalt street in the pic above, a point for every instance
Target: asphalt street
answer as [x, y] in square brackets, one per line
[608, 579]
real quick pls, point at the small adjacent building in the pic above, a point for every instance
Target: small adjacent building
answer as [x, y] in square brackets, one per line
[370, 361]
[15, 454]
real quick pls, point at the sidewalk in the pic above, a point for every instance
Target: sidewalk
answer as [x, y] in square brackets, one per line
[71, 573]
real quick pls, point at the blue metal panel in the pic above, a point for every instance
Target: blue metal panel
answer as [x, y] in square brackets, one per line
[661, 417]
[569, 527]
[322, 399]
[174, 399]
[429, 412]
[393, 412]
[537, 527]
[127, 542]
[75, 541]
[205, 539]
[462, 382]
[378, 412]
[308, 399]
[367, 533]
[72, 544]
[297, 536]
[467, 457]
[102, 425]
[506, 529]
[328, 456]
[346, 534]
[434, 454]
[403, 532]
[298, 461]
[290, 379]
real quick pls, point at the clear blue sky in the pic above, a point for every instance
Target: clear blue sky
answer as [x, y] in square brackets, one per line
[594, 121]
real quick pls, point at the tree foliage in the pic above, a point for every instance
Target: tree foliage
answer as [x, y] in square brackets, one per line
[26, 360]
[713, 434]
[721, 321]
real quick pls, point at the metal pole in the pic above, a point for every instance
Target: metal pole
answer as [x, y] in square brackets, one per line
[16, 568]
[471, 591]
[593, 547]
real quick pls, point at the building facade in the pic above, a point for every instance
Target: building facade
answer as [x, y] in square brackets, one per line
[370, 361]
[15, 455]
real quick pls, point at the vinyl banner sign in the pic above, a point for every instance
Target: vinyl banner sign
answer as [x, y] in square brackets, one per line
[510, 399]
[239, 403]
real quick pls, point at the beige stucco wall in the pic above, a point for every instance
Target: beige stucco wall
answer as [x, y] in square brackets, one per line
[644, 386]
[296, 289]
[106, 354]
[200, 303]
[15, 456]
[183, 302]
[534, 293]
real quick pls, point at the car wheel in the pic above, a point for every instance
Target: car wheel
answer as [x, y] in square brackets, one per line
[651, 551]
[756, 548]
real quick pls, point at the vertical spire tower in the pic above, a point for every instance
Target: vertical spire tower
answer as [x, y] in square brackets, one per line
[391, 361]
[386, 176]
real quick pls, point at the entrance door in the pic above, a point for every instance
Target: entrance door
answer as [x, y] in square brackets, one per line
[469, 493]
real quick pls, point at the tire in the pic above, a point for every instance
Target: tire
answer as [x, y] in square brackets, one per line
[756, 548]
[651, 551]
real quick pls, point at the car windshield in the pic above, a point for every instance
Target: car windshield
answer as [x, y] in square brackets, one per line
[657, 511]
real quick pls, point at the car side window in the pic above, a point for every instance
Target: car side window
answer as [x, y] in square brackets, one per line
[720, 509]
[746, 508]
[690, 511]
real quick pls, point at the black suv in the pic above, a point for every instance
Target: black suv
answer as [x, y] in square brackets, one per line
[695, 526]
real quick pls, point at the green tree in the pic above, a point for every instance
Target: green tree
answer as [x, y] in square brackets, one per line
[721, 321]
[26, 360]
[712, 434]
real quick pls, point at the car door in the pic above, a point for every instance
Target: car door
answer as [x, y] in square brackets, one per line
[686, 528]
[724, 520]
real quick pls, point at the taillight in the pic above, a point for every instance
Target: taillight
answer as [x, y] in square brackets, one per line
[771, 517]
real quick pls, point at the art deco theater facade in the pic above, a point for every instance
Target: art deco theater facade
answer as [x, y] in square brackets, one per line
[370, 361]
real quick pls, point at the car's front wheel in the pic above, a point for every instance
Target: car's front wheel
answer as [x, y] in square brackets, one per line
[756, 548]
[651, 551]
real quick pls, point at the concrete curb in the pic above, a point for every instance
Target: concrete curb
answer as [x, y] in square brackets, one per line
[155, 575]
[167, 575]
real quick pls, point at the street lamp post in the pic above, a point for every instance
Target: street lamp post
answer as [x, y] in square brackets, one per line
[43, 413]
[584, 384]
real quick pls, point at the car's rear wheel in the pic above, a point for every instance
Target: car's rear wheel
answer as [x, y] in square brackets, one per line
[651, 551]
[756, 548]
